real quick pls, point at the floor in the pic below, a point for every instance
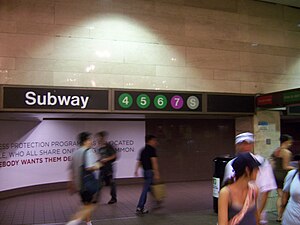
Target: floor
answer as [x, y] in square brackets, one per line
[186, 204]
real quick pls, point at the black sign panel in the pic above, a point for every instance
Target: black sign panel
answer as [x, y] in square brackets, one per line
[54, 99]
[230, 103]
[143, 101]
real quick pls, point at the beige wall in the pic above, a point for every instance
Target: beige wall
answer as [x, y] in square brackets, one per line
[239, 46]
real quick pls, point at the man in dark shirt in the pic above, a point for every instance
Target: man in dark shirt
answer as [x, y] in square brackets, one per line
[148, 160]
[108, 156]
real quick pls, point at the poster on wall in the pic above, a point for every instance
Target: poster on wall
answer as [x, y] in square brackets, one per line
[39, 152]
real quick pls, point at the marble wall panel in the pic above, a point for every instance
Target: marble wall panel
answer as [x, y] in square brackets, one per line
[132, 69]
[226, 31]
[19, 45]
[226, 17]
[53, 30]
[270, 23]
[20, 77]
[262, 35]
[120, 68]
[236, 75]
[30, 11]
[78, 66]
[177, 2]
[202, 29]
[154, 54]
[7, 26]
[213, 85]
[123, 28]
[4, 76]
[260, 9]
[197, 14]
[87, 49]
[270, 87]
[7, 63]
[159, 24]
[181, 71]
[26, 64]
[291, 14]
[104, 80]
[251, 87]
[228, 5]
[292, 66]
[262, 63]
[211, 58]
[279, 79]
[74, 14]
[87, 80]
[199, 45]
[292, 39]
[135, 6]
[155, 83]
[169, 9]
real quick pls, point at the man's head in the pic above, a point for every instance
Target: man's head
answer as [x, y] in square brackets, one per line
[85, 139]
[151, 140]
[102, 137]
[244, 142]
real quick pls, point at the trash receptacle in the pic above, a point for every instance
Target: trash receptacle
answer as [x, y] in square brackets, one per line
[220, 163]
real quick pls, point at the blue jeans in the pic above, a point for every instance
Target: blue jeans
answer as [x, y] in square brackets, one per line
[148, 176]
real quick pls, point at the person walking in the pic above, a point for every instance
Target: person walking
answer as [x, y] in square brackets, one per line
[281, 159]
[108, 156]
[148, 161]
[265, 179]
[291, 205]
[237, 201]
[86, 156]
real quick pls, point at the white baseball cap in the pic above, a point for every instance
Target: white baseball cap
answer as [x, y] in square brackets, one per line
[246, 136]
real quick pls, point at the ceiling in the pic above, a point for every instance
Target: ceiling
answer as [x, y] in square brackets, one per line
[294, 3]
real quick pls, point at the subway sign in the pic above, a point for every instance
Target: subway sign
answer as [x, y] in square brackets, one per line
[59, 99]
[55, 99]
[156, 101]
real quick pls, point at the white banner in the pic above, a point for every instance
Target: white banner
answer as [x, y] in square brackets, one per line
[33, 153]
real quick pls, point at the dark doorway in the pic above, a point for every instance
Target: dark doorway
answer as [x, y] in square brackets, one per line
[188, 146]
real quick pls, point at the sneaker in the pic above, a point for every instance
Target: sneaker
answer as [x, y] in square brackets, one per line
[141, 211]
[89, 223]
[157, 204]
[112, 201]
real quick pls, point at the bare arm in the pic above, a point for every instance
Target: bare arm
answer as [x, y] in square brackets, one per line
[137, 166]
[112, 157]
[71, 185]
[154, 162]
[223, 206]
[263, 202]
[286, 156]
[96, 166]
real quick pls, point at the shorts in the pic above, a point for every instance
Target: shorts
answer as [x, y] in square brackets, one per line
[87, 198]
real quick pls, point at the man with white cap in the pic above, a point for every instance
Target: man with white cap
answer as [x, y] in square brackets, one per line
[265, 179]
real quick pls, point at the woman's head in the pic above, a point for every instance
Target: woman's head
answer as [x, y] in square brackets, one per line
[245, 165]
[286, 140]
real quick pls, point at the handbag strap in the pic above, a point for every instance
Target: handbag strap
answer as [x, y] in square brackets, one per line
[249, 199]
[294, 175]
[84, 157]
